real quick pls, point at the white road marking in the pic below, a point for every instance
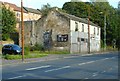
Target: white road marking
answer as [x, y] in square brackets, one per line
[58, 69]
[81, 63]
[87, 55]
[38, 67]
[113, 57]
[66, 57]
[70, 57]
[54, 59]
[95, 74]
[90, 62]
[110, 68]
[108, 58]
[95, 61]
[104, 71]
[17, 77]
[86, 78]
[105, 59]
[86, 63]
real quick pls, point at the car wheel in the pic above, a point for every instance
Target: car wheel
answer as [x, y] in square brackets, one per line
[15, 53]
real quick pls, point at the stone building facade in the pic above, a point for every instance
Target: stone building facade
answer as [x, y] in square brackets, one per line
[68, 32]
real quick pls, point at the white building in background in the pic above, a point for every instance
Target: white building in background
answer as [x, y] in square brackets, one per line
[79, 36]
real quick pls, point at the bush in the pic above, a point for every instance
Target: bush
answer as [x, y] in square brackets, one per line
[102, 44]
[37, 47]
[27, 50]
[5, 37]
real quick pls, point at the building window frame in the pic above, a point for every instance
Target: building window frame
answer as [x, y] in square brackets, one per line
[94, 31]
[76, 26]
[98, 31]
[82, 27]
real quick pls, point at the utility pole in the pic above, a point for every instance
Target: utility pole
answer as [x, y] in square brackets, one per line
[88, 29]
[22, 31]
[104, 31]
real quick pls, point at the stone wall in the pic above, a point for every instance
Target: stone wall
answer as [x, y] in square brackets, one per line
[29, 33]
[55, 22]
[59, 26]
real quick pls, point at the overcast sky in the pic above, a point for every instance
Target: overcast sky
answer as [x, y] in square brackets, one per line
[37, 4]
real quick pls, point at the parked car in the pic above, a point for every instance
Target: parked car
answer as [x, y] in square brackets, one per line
[11, 49]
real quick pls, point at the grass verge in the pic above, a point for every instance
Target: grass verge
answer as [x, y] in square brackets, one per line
[15, 57]
[33, 54]
[54, 52]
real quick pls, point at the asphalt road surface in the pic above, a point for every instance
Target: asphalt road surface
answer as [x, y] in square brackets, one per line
[100, 66]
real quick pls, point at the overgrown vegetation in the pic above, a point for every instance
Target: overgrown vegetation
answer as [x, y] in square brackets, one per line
[27, 50]
[45, 9]
[37, 47]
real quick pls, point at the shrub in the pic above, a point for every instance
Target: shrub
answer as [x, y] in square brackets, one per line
[5, 37]
[37, 47]
[27, 50]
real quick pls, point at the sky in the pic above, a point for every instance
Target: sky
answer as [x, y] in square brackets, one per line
[37, 4]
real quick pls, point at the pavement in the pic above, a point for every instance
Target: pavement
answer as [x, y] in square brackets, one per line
[46, 58]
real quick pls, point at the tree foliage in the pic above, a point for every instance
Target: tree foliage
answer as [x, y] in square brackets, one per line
[8, 23]
[76, 0]
[80, 9]
[45, 9]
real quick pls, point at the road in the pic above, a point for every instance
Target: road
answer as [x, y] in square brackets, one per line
[98, 66]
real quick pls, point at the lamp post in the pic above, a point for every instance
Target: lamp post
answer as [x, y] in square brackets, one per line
[22, 31]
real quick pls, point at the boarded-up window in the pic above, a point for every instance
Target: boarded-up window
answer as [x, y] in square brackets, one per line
[62, 38]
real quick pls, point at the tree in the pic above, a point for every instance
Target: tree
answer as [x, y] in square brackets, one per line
[80, 9]
[118, 26]
[0, 22]
[76, 0]
[8, 23]
[119, 5]
[45, 9]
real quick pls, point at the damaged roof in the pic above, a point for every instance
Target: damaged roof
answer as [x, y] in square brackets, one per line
[32, 10]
